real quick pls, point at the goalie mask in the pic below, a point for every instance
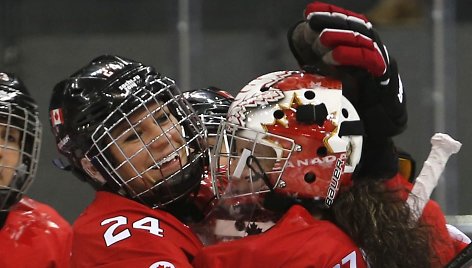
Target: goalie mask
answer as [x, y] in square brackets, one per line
[20, 137]
[127, 128]
[292, 133]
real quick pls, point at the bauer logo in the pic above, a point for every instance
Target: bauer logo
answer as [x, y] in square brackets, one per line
[334, 184]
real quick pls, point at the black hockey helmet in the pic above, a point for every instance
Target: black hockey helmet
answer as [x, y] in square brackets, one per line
[18, 113]
[102, 97]
[211, 104]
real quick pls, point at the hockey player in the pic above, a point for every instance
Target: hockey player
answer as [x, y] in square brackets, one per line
[282, 150]
[32, 234]
[128, 132]
[344, 44]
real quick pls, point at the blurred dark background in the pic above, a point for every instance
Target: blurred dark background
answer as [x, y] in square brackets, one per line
[227, 44]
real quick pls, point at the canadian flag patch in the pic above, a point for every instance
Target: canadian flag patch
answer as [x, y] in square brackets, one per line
[56, 117]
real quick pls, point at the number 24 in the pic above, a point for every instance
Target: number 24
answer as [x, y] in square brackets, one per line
[147, 223]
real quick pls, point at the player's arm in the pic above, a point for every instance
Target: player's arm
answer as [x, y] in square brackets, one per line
[342, 43]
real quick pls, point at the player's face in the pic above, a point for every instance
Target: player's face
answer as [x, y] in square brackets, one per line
[10, 139]
[151, 151]
[247, 176]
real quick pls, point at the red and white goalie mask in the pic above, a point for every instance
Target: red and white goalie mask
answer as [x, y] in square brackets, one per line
[290, 132]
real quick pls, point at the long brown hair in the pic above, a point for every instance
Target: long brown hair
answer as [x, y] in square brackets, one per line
[381, 224]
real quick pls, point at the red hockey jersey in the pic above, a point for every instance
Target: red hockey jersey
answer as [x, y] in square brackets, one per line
[118, 232]
[297, 240]
[34, 235]
[445, 247]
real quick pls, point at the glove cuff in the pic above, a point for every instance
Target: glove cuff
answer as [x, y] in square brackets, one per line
[379, 160]
[385, 112]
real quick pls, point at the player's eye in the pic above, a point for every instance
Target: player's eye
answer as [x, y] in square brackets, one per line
[10, 136]
[133, 135]
[161, 118]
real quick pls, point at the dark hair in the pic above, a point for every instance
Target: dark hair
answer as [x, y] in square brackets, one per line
[382, 225]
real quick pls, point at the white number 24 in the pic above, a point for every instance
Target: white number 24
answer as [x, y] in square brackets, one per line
[147, 223]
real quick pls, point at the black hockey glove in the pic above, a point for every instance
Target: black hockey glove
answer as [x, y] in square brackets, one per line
[337, 42]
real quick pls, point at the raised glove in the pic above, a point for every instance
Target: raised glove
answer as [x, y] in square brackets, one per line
[338, 42]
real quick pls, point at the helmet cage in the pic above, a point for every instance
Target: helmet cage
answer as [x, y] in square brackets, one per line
[16, 118]
[213, 119]
[211, 104]
[163, 97]
[212, 115]
[247, 161]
